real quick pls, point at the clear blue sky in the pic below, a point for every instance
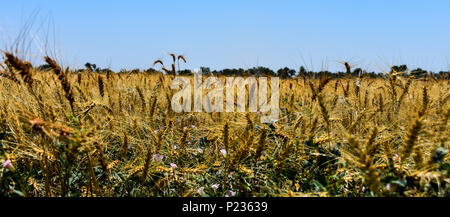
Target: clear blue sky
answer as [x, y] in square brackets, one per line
[242, 33]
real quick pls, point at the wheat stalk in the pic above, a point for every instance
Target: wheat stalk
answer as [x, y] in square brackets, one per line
[62, 76]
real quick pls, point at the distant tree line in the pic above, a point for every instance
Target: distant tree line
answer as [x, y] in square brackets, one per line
[302, 72]
[282, 72]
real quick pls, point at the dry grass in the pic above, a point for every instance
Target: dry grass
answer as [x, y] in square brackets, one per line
[88, 135]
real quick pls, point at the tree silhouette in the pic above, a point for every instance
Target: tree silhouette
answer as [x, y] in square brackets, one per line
[259, 71]
[418, 72]
[357, 72]
[401, 68]
[285, 72]
[302, 72]
[205, 70]
[44, 67]
[91, 67]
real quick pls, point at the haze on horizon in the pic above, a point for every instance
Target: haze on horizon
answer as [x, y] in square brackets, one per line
[372, 35]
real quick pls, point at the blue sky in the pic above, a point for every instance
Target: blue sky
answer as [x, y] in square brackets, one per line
[239, 33]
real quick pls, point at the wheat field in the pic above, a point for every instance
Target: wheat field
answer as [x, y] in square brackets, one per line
[91, 134]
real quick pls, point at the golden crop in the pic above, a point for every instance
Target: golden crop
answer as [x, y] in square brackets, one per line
[91, 134]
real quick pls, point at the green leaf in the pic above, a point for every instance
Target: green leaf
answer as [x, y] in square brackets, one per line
[401, 183]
